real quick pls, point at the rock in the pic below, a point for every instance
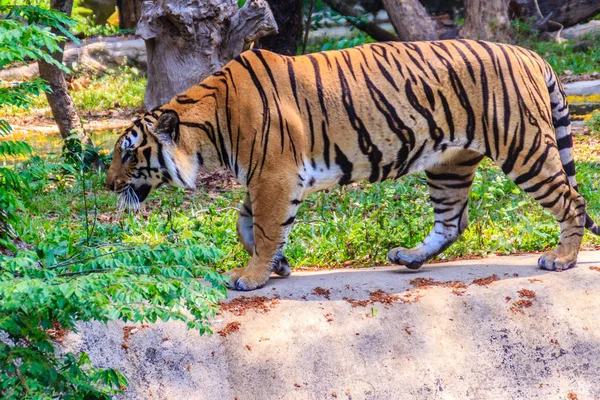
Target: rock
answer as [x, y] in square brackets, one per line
[530, 334]
[94, 54]
[582, 88]
[583, 108]
[580, 30]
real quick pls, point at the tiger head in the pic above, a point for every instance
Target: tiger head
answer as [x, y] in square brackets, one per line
[145, 157]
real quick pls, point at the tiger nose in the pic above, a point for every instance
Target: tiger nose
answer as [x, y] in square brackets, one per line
[110, 186]
[113, 185]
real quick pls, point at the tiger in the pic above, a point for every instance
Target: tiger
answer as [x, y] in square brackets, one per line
[286, 127]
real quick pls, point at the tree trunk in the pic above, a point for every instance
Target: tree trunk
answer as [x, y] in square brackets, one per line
[129, 13]
[410, 19]
[486, 20]
[187, 40]
[60, 100]
[364, 25]
[288, 16]
[565, 12]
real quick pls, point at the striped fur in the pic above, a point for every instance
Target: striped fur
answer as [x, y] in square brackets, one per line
[289, 126]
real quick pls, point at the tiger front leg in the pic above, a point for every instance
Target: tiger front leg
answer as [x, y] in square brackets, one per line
[270, 208]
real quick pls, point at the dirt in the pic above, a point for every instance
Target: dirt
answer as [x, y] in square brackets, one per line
[580, 77]
[57, 333]
[41, 118]
[572, 396]
[408, 298]
[527, 293]
[519, 305]
[378, 296]
[426, 283]
[486, 281]
[218, 181]
[594, 268]
[131, 329]
[240, 305]
[319, 291]
[230, 328]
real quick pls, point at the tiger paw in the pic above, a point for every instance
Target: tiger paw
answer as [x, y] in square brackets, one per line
[243, 280]
[406, 257]
[553, 262]
[282, 267]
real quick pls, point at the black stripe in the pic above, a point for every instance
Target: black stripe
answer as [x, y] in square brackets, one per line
[292, 77]
[260, 56]
[345, 166]
[325, 143]
[184, 99]
[289, 221]
[319, 84]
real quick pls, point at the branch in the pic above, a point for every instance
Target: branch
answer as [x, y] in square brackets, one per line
[253, 21]
[372, 29]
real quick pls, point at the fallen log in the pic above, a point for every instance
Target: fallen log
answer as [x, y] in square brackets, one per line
[564, 12]
[95, 54]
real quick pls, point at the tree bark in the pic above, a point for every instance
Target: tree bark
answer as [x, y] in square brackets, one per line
[565, 12]
[129, 13]
[486, 20]
[411, 20]
[187, 40]
[372, 29]
[60, 100]
[288, 16]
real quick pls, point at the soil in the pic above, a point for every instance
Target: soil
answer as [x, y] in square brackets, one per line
[486, 281]
[57, 333]
[230, 328]
[240, 305]
[519, 305]
[378, 296]
[426, 283]
[319, 291]
[527, 293]
[581, 77]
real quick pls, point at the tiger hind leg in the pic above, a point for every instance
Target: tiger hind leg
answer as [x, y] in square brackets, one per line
[544, 178]
[449, 187]
[245, 231]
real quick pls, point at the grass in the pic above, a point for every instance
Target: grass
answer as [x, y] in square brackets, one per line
[593, 122]
[116, 90]
[355, 225]
[566, 57]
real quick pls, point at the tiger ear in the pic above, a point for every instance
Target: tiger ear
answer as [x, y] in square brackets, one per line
[167, 128]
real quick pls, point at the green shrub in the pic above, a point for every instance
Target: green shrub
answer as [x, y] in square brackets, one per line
[24, 35]
[594, 122]
[70, 275]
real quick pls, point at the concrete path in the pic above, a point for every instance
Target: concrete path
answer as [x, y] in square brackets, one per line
[582, 88]
[531, 334]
